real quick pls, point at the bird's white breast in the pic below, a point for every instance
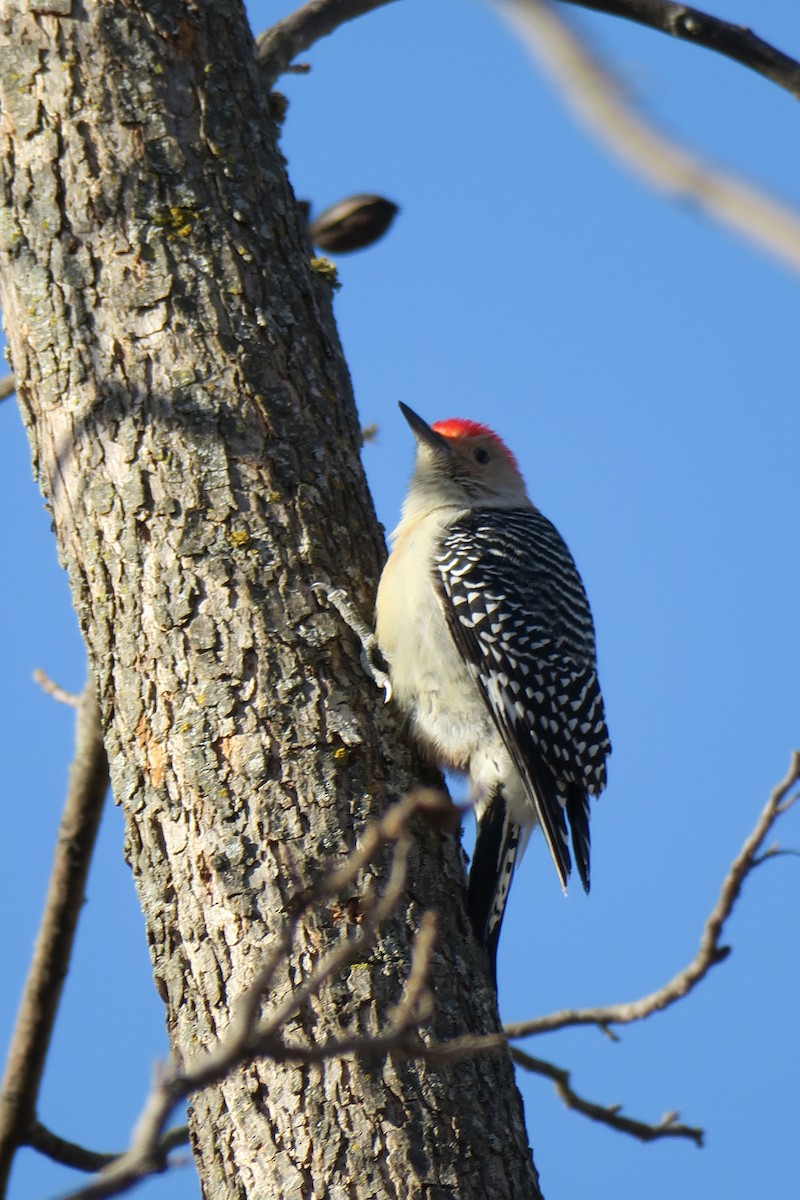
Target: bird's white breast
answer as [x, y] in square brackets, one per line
[430, 680]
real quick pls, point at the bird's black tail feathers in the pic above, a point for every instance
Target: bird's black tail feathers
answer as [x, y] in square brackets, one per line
[497, 846]
[491, 871]
[578, 814]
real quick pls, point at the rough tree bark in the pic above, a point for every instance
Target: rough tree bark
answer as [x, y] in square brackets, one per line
[195, 437]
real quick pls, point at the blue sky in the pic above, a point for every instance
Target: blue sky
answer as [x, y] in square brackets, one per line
[641, 362]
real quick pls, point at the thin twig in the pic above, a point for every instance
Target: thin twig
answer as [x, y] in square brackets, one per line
[606, 1114]
[301, 29]
[710, 952]
[318, 18]
[599, 100]
[70, 1154]
[247, 1036]
[416, 1006]
[775, 852]
[401, 1033]
[30, 1041]
[72, 699]
[691, 25]
[8, 386]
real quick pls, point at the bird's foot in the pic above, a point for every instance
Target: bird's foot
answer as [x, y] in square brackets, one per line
[370, 650]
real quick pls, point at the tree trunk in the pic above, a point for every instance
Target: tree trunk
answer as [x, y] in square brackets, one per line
[194, 433]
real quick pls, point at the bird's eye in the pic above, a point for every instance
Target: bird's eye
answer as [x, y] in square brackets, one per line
[481, 456]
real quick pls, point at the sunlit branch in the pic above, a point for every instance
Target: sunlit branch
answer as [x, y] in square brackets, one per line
[711, 950]
[599, 100]
[605, 1114]
[280, 44]
[251, 1035]
[30, 1041]
[48, 685]
[70, 1154]
[701, 29]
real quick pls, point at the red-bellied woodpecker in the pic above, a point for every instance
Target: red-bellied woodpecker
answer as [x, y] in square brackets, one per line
[483, 620]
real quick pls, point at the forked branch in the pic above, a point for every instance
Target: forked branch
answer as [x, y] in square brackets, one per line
[610, 1115]
[711, 949]
[600, 101]
[250, 1034]
[279, 45]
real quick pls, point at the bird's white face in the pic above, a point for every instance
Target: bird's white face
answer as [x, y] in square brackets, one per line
[486, 461]
[460, 464]
[469, 468]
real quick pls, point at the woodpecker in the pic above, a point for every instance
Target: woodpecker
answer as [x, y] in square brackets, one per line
[484, 623]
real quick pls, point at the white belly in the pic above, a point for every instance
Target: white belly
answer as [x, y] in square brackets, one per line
[430, 681]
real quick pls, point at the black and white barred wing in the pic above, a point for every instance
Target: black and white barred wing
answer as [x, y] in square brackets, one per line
[517, 609]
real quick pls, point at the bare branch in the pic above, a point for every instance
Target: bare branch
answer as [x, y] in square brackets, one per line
[775, 852]
[8, 386]
[55, 690]
[248, 1037]
[148, 1149]
[70, 1154]
[711, 950]
[306, 25]
[30, 1041]
[400, 1034]
[692, 25]
[599, 100]
[608, 1114]
[318, 18]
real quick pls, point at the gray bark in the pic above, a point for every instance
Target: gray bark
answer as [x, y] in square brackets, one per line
[194, 434]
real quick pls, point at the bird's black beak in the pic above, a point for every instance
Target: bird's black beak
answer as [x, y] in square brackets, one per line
[423, 432]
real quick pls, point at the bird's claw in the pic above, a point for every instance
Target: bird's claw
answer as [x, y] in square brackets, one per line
[339, 599]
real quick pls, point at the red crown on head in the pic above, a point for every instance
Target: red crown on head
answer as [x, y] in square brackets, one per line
[459, 427]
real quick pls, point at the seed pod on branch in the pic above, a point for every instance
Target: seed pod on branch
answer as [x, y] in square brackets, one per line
[352, 224]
